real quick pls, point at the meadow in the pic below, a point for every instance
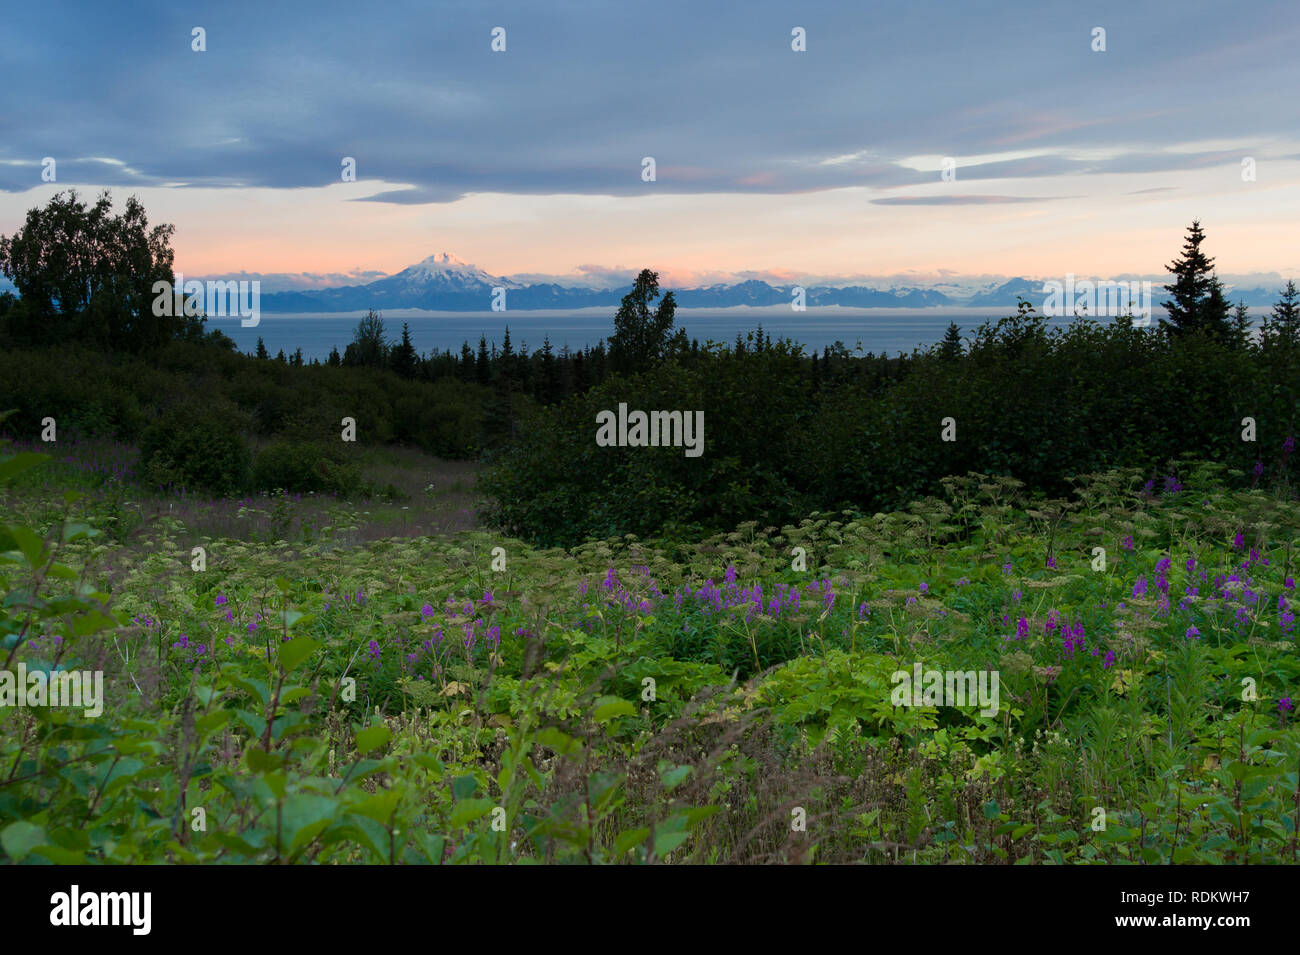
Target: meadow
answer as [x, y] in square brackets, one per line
[377, 679]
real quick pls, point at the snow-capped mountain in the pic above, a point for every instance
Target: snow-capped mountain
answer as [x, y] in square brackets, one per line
[446, 271]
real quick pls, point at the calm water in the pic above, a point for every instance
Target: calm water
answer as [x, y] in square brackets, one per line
[878, 329]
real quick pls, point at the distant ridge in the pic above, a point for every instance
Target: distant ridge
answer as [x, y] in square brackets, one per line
[446, 283]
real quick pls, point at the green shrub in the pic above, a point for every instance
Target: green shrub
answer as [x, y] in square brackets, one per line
[197, 447]
[305, 466]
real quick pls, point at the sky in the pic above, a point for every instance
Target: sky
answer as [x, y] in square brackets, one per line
[817, 165]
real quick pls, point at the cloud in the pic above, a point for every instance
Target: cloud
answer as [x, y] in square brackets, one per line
[577, 100]
[960, 200]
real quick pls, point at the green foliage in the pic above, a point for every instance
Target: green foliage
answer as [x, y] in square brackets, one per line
[306, 466]
[331, 708]
[198, 446]
[864, 433]
[84, 274]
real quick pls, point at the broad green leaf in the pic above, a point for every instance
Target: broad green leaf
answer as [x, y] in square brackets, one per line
[610, 707]
[20, 838]
[295, 651]
[372, 738]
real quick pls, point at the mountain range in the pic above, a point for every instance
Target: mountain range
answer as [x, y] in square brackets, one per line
[443, 282]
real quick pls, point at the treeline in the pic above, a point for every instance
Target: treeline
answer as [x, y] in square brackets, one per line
[785, 435]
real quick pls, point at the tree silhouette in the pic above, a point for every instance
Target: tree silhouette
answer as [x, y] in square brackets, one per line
[82, 272]
[1197, 301]
[643, 337]
[369, 345]
[1283, 324]
[404, 359]
[951, 347]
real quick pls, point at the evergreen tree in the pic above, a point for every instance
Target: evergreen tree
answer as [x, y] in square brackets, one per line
[404, 359]
[296, 361]
[951, 347]
[1197, 302]
[581, 373]
[280, 358]
[466, 368]
[1283, 324]
[1241, 325]
[261, 348]
[334, 358]
[548, 378]
[482, 366]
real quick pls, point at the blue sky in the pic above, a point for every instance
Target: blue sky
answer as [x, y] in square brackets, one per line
[815, 164]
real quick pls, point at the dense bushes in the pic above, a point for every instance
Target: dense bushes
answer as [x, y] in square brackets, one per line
[306, 466]
[197, 446]
[104, 393]
[784, 435]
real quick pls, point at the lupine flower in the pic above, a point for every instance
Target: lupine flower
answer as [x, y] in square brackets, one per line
[1127, 543]
[1140, 588]
[1022, 628]
[1239, 541]
[1284, 705]
[1192, 634]
[1109, 661]
[426, 611]
[1006, 568]
[373, 648]
[1258, 470]
[1051, 563]
[220, 600]
[924, 587]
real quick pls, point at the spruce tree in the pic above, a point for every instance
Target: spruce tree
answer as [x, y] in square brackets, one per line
[404, 359]
[261, 348]
[951, 347]
[1241, 325]
[1283, 324]
[1197, 301]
